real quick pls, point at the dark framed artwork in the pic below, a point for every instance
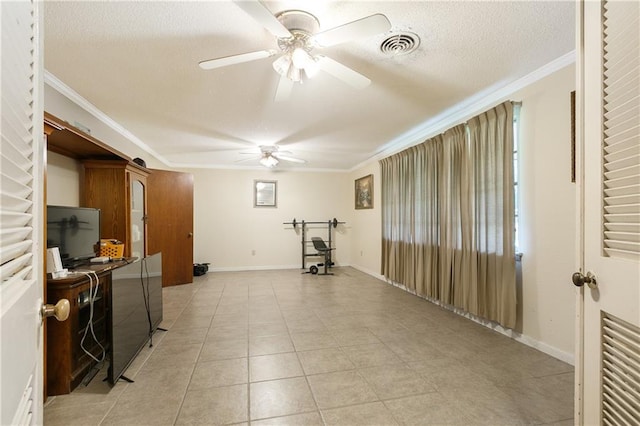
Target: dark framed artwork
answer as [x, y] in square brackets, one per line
[364, 192]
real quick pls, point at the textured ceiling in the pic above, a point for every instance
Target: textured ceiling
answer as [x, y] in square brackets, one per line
[138, 63]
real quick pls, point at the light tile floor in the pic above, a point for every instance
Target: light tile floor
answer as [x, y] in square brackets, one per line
[285, 348]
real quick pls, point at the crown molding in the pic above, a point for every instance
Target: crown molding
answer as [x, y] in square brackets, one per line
[467, 109]
[57, 84]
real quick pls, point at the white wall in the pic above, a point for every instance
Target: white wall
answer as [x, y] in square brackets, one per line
[548, 213]
[228, 228]
[366, 234]
[63, 180]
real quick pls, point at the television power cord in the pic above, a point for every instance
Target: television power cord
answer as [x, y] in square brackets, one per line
[93, 294]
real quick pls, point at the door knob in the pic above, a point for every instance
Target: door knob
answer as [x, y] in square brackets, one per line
[60, 310]
[579, 280]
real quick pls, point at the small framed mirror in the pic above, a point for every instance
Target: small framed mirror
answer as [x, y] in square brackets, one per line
[265, 193]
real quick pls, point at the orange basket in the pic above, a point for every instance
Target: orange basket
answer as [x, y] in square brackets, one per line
[111, 248]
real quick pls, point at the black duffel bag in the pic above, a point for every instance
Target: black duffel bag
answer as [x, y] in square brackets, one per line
[200, 269]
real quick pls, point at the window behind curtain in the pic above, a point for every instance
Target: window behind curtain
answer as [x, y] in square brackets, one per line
[448, 214]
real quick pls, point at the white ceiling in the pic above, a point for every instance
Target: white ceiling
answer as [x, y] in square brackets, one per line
[138, 63]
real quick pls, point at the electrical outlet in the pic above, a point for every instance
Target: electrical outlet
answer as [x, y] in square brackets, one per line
[253, 252]
[360, 253]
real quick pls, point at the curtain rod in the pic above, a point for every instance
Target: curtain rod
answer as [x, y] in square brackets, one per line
[513, 103]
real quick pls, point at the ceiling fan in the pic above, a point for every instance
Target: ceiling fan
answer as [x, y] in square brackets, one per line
[297, 37]
[270, 156]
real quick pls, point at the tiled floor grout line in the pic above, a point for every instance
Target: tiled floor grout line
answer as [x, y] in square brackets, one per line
[186, 389]
[297, 357]
[248, 355]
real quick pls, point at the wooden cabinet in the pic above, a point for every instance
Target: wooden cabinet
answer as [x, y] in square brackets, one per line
[112, 182]
[67, 362]
[119, 189]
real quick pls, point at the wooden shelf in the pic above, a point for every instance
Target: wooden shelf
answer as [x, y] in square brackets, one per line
[67, 140]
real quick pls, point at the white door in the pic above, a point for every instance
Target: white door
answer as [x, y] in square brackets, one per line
[21, 214]
[608, 358]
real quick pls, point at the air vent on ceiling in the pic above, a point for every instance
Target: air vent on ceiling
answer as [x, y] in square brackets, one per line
[400, 43]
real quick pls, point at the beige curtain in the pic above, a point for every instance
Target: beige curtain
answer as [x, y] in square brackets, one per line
[492, 199]
[448, 217]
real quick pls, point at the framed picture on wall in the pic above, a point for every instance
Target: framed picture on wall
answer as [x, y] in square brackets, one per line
[364, 192]
[265, 193]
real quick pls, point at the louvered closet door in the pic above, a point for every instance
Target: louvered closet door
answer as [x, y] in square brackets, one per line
[21, 217]
[609, 82]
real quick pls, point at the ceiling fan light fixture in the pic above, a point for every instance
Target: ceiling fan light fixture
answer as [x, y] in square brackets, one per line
[269, 161]
[312, 68]
[301, 58]
[286, 67]
[282, 64]
[294, 74]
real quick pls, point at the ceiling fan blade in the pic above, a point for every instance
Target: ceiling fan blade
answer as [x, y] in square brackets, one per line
[207, 151]
[243, 160]
[283, 92]
[342, 72]
[260, 13]
[235, 59]
[287, 158]
[364, 27]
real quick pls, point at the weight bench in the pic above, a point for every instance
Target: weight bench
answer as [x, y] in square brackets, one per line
[323, 250]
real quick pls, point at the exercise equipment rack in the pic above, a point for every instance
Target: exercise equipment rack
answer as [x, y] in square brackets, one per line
[303, 226]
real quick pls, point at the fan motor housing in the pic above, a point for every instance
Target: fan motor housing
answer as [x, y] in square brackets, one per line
[299, 21]
[301, 25]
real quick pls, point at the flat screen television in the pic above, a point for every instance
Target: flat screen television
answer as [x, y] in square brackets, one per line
[75, 231]
[136, 311]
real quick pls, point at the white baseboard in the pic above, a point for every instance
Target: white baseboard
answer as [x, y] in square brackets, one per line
[569, 358]
[251, 268]
[369, 272]
[260, 268]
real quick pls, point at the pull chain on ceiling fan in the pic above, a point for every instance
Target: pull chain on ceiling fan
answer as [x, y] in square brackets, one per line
[297, 37]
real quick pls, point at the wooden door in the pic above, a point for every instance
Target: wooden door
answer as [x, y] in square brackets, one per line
[608, 353]
[170, 224]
